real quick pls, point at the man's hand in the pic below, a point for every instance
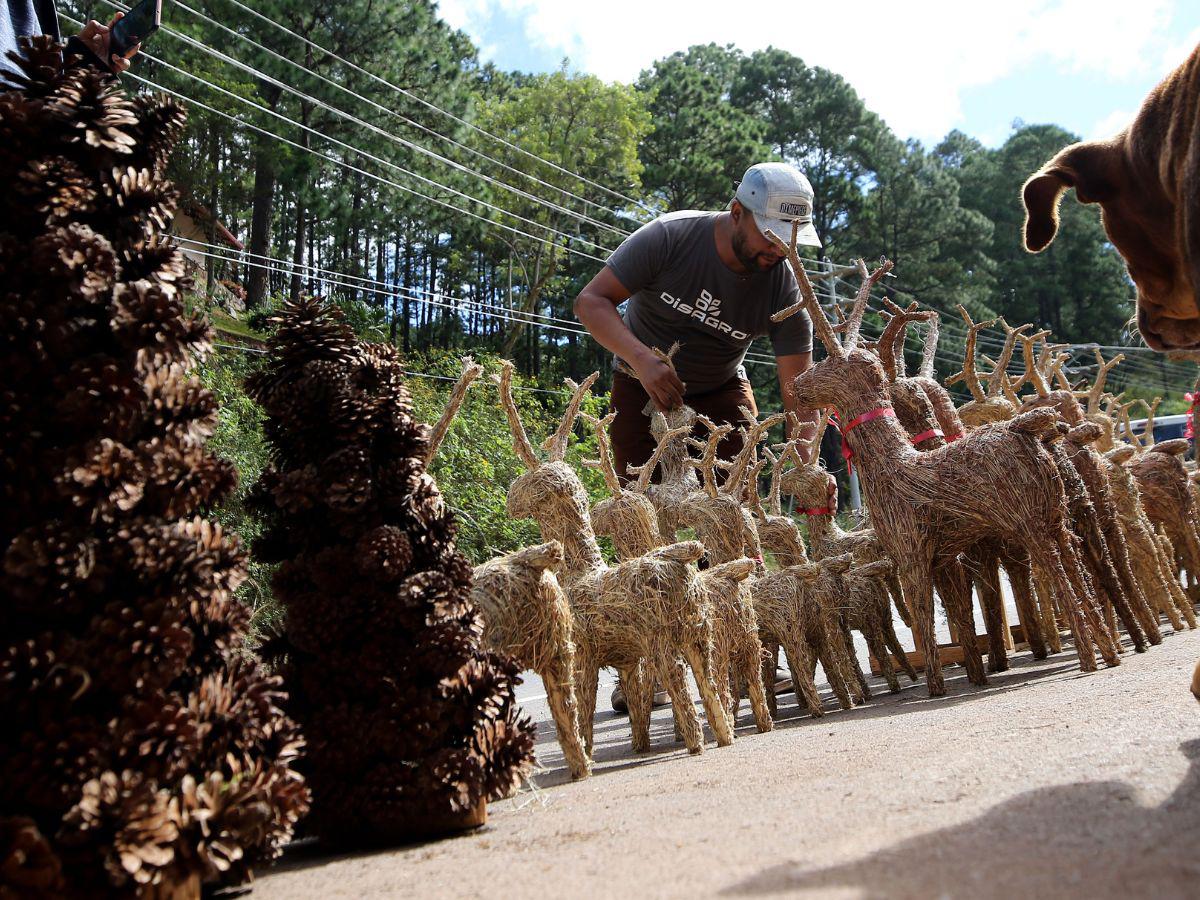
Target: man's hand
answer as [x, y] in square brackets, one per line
[659, 381]
[98, 39]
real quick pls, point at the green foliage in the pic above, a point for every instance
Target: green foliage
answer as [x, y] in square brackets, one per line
[701, 143]
[239, 438]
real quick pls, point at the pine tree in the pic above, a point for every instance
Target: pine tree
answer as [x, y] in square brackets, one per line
[411, 725]
[144, 753]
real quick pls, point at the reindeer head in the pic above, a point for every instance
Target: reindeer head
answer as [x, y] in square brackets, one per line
[552, 483]
[849, 374]
[628, 517]
[808, 482]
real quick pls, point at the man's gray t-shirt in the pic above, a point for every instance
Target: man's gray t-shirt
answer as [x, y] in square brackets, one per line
[680, 290]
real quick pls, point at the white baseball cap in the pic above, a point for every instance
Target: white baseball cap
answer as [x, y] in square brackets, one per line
[778, 194]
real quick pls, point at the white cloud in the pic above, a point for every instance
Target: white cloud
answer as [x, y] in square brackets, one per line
[909, 61]
[1111, 124]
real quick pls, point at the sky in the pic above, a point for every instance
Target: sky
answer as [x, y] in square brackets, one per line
[925, 66]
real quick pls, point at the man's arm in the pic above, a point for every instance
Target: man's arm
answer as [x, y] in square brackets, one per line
[596, 307]
[789, 366]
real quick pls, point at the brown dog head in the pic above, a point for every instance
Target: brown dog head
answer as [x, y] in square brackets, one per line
[1147, 182]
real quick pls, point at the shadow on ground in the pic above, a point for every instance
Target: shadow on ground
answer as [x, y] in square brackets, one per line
[1041, 837]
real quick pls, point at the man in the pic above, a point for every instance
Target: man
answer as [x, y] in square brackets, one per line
[711, 281]
[29, 18]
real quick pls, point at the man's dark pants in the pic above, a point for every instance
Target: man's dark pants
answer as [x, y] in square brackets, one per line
[632, 443]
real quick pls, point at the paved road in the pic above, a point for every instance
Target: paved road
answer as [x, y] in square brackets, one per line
[1046, 782]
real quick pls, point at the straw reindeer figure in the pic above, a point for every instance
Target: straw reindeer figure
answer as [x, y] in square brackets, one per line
[526, 615]
[778, 533]
[866, 605]
[629, 519]
[990, 402]
[815, 490]
[1152, 568]
[928, 507]
[917, 401]
[1163, 481]
[798, 609]
[525, 612]
[649, 609]
[1093, 510]
[728, 531]
[677, 476]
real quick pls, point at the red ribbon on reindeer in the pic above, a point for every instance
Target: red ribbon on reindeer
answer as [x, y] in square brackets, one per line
[880, 412]
[926, 435]
[1189, 431]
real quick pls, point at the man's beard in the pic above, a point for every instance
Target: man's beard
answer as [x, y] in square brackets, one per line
[750, 261]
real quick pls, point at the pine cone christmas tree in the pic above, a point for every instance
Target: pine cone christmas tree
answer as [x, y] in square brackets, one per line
[144, 755]
[411, 726]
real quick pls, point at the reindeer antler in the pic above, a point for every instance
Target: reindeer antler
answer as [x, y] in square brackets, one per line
[1032, 373]
[520, 438]
[1148, 431]
[708, 462]
[789, 451]
[808, 297]
[891, 342]
[605, 462]
[1097, 391]
[556, 445]
[645, 472]
[969, 374]
[1054, 368]
[737, 470]
[998, 381]
[753, 500]
[864, 294]
[929, 347]
[471, 371]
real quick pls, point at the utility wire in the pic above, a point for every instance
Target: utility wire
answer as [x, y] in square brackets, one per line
[459, 120]
[317, 102]
[342, 163]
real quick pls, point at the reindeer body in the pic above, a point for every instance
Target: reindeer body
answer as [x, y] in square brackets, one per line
[526, 615]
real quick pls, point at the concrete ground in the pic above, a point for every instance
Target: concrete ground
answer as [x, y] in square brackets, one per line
[1046, 782]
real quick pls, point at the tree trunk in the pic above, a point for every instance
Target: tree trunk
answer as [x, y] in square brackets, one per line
[265, 175]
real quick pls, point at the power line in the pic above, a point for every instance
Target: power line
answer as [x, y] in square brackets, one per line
[212, 51]
[380, 160]
[375, 286]
[438, 109]
[342, 163]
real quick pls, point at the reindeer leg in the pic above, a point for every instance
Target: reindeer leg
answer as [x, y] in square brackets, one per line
[893, 586]
[637, 683]
[770, 665]
[799, 660]
[830, 653]
[751, 666]
[587, 678]
[874, 637]
[560, 694]
[1044, 595]
[671, 670]
[860, 678]
[893, 644]
[991, 602]
[955, 588]
[699, 655]
[1016, 565]
[918, 591]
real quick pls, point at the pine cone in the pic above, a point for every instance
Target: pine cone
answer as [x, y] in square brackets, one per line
[29, 867]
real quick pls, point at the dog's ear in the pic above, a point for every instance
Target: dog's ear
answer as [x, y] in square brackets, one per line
[1088, 167]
